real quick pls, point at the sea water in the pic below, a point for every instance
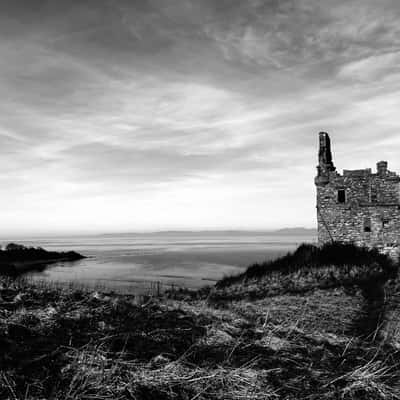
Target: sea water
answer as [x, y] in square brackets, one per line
[132, 262]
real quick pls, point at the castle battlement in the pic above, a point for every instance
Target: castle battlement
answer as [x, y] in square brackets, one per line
[358, 206]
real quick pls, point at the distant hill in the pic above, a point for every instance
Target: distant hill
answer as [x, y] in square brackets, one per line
[296, 232]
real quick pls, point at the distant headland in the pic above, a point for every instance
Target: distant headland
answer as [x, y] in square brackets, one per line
[16, 259]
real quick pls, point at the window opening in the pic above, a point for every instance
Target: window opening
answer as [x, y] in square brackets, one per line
[341, 196]
[367, 224]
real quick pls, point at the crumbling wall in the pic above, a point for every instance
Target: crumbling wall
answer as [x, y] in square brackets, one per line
[370, 214]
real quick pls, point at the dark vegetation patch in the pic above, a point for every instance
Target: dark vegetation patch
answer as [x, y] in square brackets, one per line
[37, 333]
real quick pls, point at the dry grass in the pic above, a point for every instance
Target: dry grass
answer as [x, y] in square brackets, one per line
[58, 343]
[94, 374]
[298, 282]
[333, 265]
[374, 380]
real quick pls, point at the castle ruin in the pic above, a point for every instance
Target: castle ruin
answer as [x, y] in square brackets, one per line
[358, 206]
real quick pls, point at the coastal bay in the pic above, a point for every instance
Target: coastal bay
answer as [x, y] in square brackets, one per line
[129, 263]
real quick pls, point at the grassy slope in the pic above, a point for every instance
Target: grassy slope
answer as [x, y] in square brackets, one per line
[310, 344]
[308, 268]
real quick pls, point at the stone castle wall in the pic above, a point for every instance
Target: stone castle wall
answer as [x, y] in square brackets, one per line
[366, 212]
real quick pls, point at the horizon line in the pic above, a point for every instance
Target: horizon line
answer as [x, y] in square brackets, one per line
[153, 232]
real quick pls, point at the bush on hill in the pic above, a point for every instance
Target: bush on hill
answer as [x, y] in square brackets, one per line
[307, 256]
[310, 267]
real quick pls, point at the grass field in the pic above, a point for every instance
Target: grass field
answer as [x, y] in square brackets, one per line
[322, 342]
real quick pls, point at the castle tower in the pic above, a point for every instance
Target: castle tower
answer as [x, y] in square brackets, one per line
[358, 206]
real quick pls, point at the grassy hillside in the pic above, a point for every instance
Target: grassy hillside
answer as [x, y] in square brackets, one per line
[328, 342]
[310, 267]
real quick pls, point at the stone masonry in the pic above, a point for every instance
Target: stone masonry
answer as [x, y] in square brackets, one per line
[358, 206]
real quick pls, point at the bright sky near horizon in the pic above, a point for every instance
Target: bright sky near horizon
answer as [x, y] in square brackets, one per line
[127, 115]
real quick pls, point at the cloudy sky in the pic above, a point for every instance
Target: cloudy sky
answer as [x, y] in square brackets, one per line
[129, 115]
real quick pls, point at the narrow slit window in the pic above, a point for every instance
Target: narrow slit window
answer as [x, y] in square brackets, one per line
[341, 196]
[367, 224]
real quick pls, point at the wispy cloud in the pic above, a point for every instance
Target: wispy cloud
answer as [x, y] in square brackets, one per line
[186, 113]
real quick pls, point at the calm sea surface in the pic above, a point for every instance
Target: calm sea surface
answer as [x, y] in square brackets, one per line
[131, 262]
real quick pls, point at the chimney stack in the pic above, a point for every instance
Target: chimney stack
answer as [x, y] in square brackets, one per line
[325, 153]
[382, 167]
[325, 163]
